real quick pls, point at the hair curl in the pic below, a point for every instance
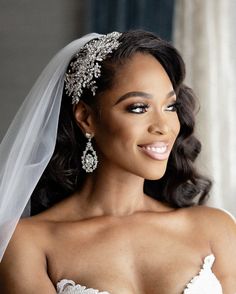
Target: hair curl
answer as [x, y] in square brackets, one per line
[181, 185]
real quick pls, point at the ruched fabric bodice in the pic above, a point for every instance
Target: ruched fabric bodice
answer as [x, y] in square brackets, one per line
[205, 282]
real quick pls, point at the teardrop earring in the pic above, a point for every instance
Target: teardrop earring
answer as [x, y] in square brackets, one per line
[89, 158]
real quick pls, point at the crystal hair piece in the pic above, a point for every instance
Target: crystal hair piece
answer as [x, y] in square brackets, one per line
[85, 68]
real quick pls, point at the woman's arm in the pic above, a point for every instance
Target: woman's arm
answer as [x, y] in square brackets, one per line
[223, 228]
[23, 269]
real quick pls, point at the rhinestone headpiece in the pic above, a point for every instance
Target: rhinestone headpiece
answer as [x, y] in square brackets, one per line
[84, 69]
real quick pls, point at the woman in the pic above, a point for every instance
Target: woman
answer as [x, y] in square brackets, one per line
[118, 207]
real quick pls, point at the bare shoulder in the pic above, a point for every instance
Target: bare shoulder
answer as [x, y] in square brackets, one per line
[209, 215]
[214, 221]
[219, 223]
[35, 231]
[28, 232]
[24, 265]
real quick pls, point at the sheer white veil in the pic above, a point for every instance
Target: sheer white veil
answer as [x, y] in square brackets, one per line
[30, 140]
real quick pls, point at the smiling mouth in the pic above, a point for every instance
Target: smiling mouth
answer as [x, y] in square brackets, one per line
[158, 151]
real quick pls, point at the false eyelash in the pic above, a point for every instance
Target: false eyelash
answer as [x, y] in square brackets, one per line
[176, 105]
[142, 106]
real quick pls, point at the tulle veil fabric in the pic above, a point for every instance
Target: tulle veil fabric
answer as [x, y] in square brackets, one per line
[30, 140]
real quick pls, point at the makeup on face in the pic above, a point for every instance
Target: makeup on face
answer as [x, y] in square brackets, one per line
[139, 119]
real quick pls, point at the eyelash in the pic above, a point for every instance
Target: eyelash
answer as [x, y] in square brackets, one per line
[175, 106]
[141, 108]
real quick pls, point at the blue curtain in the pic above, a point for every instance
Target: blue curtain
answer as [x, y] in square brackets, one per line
[121, 15]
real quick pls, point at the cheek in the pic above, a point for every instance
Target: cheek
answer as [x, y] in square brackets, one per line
[116, 133]
[175, 125]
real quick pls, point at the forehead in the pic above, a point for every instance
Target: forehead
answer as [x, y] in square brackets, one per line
[141, 72]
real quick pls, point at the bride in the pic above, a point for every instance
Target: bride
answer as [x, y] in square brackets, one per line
[104, 145]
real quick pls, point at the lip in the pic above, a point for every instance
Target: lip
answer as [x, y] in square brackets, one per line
[156, 150]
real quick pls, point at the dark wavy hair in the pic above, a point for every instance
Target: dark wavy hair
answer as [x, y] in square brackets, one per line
[181, 185]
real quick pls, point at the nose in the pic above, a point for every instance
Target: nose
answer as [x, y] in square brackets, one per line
[159, 125]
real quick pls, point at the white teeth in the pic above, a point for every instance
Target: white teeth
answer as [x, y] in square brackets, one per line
[156, 149]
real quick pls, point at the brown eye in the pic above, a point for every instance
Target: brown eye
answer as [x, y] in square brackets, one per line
[173, 107]
[138, 108]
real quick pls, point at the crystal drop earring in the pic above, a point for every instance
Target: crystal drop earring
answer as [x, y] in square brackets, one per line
[89, 158]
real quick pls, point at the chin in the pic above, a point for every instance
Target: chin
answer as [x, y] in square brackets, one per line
[154, 177]
[154, 174]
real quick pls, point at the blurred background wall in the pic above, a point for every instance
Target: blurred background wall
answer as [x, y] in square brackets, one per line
[31, 32]
[204, 32]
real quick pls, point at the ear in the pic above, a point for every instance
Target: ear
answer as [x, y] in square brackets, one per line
[83, 117]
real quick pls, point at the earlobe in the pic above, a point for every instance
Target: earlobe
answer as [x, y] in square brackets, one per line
[83, 117]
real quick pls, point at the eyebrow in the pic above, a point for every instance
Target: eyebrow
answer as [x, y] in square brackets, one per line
[141, 94]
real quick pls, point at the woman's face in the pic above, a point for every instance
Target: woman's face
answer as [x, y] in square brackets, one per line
[138, 123]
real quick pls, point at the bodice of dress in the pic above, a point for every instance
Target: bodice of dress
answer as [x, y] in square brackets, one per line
[205, 282]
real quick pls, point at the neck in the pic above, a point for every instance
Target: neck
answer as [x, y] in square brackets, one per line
[115, 193]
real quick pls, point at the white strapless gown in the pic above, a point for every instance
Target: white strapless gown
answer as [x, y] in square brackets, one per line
[203, 283]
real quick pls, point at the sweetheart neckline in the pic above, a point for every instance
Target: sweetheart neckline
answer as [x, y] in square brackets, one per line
[206, 265]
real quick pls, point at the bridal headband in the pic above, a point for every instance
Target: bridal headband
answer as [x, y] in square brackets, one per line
[85, 69]
[29, 143]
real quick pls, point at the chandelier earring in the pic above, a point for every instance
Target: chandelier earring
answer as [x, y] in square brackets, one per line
[89, 158]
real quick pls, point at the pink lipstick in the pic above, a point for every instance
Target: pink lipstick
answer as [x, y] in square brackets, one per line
[157, 150]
